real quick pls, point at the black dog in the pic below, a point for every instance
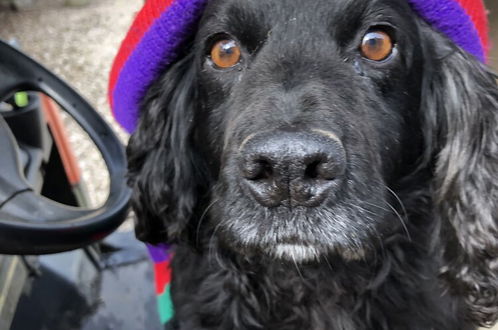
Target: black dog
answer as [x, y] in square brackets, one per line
[322, 165]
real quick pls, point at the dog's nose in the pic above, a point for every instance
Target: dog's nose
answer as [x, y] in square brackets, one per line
[292, 167]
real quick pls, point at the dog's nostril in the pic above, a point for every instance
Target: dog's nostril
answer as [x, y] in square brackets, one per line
[258, 169]
[312, 171]
[264, 170]
[320, 168]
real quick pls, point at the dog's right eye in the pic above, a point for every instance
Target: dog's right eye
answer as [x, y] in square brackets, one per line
[225, 53]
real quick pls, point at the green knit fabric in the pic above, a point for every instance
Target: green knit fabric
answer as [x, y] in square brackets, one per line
[165, 306]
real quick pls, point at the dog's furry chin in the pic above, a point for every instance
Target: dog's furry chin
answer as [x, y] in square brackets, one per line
[296, 253]
[305, 253]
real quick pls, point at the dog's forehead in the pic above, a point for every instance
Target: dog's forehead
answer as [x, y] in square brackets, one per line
[280, 12]
[257, 18]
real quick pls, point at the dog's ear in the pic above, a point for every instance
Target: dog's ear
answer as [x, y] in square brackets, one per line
[162, 167]
[461, 105]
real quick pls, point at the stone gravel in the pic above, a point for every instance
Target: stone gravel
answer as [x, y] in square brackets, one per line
[78, 44]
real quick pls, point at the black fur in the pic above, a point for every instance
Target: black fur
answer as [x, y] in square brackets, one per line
[408, 237]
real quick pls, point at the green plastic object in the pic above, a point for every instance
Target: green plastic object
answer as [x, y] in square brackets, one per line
[21, 99]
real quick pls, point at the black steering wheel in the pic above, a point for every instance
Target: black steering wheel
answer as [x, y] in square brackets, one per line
[29, 222]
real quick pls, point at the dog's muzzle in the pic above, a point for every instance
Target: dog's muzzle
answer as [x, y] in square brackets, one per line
[291, 167]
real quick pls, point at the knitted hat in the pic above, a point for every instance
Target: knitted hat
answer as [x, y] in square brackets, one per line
[153, 41]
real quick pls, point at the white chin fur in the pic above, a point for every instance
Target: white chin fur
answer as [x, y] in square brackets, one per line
[297, 253]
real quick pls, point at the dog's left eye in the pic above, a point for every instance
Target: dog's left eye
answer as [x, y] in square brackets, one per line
[377, 45]
[225, 53]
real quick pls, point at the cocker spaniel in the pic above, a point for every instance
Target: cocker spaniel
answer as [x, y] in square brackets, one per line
[322, 165]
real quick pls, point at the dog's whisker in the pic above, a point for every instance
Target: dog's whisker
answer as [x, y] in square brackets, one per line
[403, 208]
[399, 201]
[327, 262]
[363, 209]
[203, 216]
[374, 229]
[212, 252]
[400, 218]
[297, 268]
[377, 206]
[381, 244]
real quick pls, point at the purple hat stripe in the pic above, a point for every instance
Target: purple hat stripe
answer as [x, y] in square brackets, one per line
[456, 25]
[157, 49]
[159, 253]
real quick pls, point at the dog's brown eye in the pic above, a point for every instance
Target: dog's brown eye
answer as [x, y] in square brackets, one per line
[377, 45]
[225, 53]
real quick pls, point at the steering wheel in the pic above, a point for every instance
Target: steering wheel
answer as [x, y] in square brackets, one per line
[29, 222]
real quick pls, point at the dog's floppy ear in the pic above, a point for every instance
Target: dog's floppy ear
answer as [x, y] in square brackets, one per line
[461, 104]
[162, 164]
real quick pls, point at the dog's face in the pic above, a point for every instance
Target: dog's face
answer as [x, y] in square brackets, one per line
[310, 118]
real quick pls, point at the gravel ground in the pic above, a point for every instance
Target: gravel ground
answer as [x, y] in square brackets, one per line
[78, 44]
